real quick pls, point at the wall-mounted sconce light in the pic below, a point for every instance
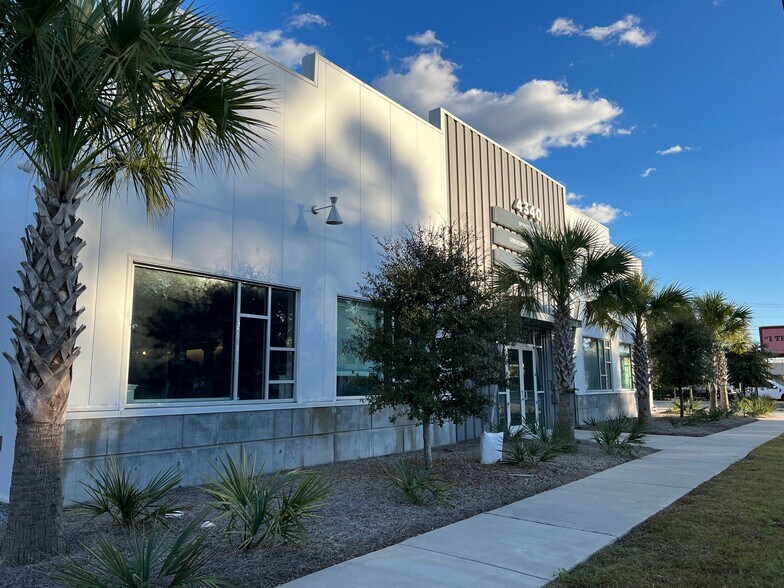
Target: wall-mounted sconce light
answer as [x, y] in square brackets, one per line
[334, 216]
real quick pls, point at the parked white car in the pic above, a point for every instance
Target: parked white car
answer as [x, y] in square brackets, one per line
[773, 390]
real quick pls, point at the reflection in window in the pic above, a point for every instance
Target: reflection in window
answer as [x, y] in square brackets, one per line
[627, 377]
[598, 364]
[352, 372]
[182, 339]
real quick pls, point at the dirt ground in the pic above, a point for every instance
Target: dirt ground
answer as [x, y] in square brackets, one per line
[663, 424]
[362, 514]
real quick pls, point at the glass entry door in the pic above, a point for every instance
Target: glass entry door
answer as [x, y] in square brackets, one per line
[521, 396]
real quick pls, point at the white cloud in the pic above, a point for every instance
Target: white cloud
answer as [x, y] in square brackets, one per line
[646, 254]
[537, 116]
[628, 131]
[386, 55]
[306, 20]
[426, 39]
[601, 212]
[563, 26]
[647, 171]
[674, 149]
[572, 197]
[626, 30]
[279, 47]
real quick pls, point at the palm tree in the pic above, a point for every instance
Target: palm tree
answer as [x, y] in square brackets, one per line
[95, 93]
[634, 305]
[563, 266]
[728, 326]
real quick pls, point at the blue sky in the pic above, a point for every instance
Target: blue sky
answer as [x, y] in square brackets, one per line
[595, 94]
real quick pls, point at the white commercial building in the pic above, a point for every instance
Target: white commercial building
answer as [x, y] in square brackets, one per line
[225, 322]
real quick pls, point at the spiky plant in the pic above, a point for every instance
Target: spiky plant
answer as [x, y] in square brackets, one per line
[563, 266]
[728, 325]
[635, 305]
[94, 94]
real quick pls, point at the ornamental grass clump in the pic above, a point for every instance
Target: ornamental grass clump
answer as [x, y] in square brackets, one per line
[533, 443]
[150, 559]
[112, 490]
[264, 510]
[620, 435]
[756, 406]
[416, 481]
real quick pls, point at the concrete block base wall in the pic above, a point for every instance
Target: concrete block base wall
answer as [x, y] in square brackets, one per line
[605, 406]
[283, 439]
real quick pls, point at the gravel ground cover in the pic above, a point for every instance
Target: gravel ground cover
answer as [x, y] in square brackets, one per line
[363, 514]
[662, 424]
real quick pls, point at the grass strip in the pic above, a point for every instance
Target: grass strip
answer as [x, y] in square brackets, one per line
[727, 532]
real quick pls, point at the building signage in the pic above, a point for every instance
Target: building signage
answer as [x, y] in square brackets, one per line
[772, 340]
[501, 256]
[508, 239]
[508, 219]
[534, 213]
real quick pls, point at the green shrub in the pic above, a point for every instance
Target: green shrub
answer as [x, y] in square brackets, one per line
[533, 443]
[151, 559]
[690, 405]
[621, 434]
[416, 481]
[755, 406]
[112, 490]
[264, 510]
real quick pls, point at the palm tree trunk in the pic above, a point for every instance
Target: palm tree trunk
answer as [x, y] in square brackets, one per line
[642, 377]
[723, 374]
[44, 351]
[563, 365]
[427, 445]
[715, 377]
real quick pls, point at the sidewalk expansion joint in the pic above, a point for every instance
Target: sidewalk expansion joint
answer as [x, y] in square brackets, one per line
[552, 525]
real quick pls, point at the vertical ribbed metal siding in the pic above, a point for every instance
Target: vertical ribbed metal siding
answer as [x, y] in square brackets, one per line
[482, 174]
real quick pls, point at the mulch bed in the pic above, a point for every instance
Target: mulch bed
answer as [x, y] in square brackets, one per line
[363, 514]
[661, 424]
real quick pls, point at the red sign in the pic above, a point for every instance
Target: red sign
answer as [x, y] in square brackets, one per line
[772, 340]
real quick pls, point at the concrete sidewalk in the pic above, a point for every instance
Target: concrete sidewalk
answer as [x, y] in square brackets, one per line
[528, 542]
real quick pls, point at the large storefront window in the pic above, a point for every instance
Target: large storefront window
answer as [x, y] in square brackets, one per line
[200, 338]
[598, 364]
[627, 378]
[352, 372]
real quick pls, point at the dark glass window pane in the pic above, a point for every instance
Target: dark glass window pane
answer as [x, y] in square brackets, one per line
[281, 391]
[591, 362]
[352, 372]
[254, 299]
[250, 369]
[181, 336]
[282, 329]
[281, 365]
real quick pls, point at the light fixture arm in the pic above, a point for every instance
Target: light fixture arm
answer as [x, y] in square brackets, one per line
[334, 215]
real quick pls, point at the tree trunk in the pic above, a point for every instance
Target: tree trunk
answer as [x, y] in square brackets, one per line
[35, 510]
[715, 376]
[642, 378]
[723, 374]
[563, 365]
[427, 446]
[44, 350]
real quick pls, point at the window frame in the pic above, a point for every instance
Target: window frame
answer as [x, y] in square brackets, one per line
[604, 364]
[338, 298]
[631, 365]
[233, 400]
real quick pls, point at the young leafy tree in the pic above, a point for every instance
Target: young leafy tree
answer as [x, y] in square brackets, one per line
[635, 305]
[564, 266]
[750, 368]
[94, 94]
[728, 325]
[681, 353]
[436, 345]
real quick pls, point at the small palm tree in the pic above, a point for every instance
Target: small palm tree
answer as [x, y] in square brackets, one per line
[562, 266]
[634, 305]
[94, 93]
[728, 325]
